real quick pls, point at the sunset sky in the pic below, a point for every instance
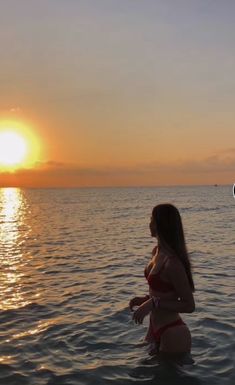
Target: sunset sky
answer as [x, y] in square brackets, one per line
[119, 92]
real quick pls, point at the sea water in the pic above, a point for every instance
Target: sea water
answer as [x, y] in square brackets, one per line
[71, 259]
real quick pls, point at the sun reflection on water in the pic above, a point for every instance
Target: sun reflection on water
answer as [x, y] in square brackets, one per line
[9, 215]
[11, 258]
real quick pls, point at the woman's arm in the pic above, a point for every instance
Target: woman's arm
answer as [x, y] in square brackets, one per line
[137, 301]
[154, 251]
[177, 276]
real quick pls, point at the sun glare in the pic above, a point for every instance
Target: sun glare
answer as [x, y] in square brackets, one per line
[19, 146]
[13, 148]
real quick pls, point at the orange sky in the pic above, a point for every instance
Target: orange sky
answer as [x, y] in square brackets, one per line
[120, 93]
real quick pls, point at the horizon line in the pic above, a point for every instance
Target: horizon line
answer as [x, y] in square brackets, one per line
[118, 186]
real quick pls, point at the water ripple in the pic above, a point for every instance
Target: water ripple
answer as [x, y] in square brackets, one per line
[70, 262]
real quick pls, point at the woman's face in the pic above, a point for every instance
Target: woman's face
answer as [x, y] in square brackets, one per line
[153, 227]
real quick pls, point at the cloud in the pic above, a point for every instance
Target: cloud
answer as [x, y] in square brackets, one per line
[216, 168]
[51, 164]
[223, 161]
[10, 109]
[15, 109]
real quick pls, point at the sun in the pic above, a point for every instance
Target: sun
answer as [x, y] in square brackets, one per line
[19, 146]
[13, 148]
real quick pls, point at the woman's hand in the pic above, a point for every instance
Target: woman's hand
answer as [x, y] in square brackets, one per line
[142, 311]
[137, 301]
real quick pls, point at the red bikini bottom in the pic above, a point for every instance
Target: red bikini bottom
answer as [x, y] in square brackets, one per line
[157, 333]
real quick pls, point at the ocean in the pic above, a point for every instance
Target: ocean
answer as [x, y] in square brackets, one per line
[71, 259]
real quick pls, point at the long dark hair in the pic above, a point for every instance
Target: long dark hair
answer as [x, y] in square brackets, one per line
[170, 235]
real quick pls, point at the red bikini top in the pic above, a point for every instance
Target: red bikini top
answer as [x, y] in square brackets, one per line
[156, 283]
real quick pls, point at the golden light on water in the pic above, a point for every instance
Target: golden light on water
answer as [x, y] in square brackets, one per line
[15, 269]
[9, 215]
[11, 288]
[39, 328]
[19, 146]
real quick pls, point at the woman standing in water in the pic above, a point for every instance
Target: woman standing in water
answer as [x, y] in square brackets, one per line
[170, 283]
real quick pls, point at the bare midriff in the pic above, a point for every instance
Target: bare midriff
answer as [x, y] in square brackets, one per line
[161, 317]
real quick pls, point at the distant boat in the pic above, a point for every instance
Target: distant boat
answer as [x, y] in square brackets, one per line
[215, 185]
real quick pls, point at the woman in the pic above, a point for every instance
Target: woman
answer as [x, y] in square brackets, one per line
[170, 283]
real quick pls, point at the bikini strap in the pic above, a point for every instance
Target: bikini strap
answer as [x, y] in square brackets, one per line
[163, 264]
